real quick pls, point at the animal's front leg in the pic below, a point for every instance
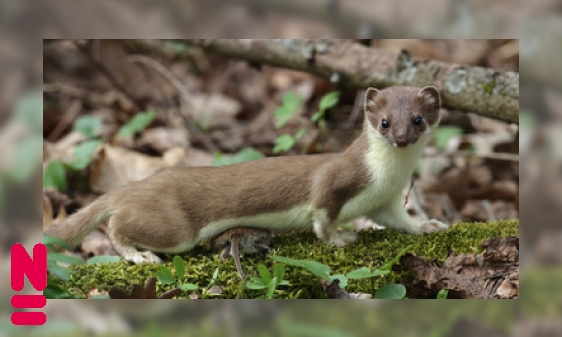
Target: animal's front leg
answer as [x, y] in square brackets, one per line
[395, 216]
[327, 230]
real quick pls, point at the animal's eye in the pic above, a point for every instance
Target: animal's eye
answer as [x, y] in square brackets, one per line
[417, 121]
[385, 124]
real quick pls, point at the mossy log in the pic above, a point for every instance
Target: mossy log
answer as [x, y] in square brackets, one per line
[373, 249]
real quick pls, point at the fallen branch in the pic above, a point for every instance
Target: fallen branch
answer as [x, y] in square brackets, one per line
[480, 90]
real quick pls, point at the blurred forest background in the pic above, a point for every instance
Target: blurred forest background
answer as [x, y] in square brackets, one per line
[537, 26]
[125, 109]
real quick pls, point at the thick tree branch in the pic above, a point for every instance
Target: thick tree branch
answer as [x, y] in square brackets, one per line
[471, 89]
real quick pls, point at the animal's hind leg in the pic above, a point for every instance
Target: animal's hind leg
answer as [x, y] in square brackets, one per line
[127, 250]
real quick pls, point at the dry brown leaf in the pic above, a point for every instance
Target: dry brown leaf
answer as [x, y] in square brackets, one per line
[211, 111]
[96, 292]
[53, 199]
[506, 289]
[215, 290]
[47, 213]
[163, 139]
[195, 157]
[63, 149]
[115, 167]
[61, 215]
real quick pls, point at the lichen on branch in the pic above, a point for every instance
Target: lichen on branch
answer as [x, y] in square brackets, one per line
[484, 91]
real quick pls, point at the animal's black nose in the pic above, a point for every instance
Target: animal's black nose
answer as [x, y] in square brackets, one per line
[402, 141]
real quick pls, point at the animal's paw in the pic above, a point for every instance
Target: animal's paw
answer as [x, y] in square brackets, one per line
[142, 257]
[341, 239]
[430, 226]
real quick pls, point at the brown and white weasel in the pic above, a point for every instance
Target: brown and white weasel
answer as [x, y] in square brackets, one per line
[175, 209]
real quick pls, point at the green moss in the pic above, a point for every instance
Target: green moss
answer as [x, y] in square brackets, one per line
[489, 87]
[373, 248]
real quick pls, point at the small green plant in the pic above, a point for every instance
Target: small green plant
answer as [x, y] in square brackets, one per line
[442, 294]
[322, 271]
[286, 111]
[391, 291]
[57, 269]
[90, 126]
[246, 154]
[326, 102]
[138, 123]
[165, 275]
[267, 281]
[444, 133]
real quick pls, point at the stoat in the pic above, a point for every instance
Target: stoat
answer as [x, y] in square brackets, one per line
[174, 210]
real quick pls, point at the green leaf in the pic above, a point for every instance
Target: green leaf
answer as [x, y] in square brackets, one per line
[388, 265]
[317, 116]
[442, 294]
[89, 126]
[300, 133]
[365, 272]
[279, 271]
[329, 100]
[271, 288]
[264, 273]
[246, 154]
[255, 286]
[283, 143]
[51, 241]
[83, 154]
[216, 274]
[55, 176]
[29, 109]
[54, 291]
[315, 268]
[285, 112]
[64, 258]
[164, 275]
[138, 123]
[179, 264]
[343, 280]
[103, 259]
[62, 273]
[187, 287]
[444, 133]
[391, 292]
[214, 279]
[360, 273]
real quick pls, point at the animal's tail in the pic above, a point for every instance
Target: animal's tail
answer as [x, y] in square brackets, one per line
[77, 226]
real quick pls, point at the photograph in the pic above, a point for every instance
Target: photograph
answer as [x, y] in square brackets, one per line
[281, 168]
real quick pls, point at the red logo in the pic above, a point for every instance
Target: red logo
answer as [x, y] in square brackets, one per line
[36, 271]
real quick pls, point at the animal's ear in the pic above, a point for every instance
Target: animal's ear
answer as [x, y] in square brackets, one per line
[431, 97]
[371, 96]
